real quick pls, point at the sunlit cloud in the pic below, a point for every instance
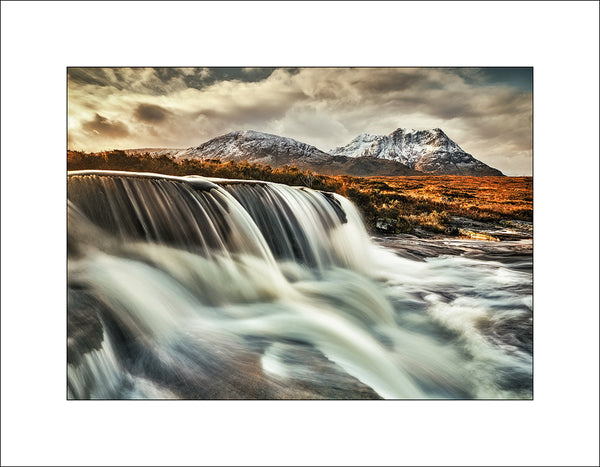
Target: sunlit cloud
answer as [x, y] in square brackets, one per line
[326, 107]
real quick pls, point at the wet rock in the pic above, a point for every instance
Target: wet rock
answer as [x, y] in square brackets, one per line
[386, 225]
[84, 328]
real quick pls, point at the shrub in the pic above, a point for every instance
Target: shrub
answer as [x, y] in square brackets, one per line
[409, 201]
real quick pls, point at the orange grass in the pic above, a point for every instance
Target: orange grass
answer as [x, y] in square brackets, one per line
[407, 201]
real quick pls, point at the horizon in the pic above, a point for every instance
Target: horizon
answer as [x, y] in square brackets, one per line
[486, 111]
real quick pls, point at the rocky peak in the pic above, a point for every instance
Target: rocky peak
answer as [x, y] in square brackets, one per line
[430, 151]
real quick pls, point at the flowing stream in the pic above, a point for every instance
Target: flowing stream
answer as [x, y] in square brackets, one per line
[195, 288]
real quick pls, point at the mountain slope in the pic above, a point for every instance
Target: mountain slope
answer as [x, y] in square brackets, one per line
[255, 146]
[363, 167]
[402, 152]
[429, 151]
[264, 148]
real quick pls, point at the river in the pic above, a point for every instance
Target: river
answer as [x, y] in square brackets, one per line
[193, 288]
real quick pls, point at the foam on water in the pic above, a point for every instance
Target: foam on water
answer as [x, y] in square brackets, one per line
[222, 289]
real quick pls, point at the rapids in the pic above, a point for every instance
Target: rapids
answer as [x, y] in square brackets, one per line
[195, 288]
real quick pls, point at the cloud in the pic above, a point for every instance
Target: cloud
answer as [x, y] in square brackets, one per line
[204, 73]
[325, 107]
[190, 71]
[151, 81]
[104, 127]
[151, 113]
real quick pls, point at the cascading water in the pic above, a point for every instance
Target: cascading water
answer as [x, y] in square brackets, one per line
[185, 287]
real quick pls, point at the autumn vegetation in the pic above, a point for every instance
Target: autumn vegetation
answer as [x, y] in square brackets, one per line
[402, 204]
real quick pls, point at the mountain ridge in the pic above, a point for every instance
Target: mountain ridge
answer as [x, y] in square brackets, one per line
[402, 152]
[277, 151]
[428, 151]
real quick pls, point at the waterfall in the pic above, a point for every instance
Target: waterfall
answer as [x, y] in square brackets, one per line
[195, 288]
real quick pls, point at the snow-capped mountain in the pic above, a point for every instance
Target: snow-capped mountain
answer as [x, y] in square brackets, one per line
[402, 152]
[429, 151]
[264, 148]
[255, 146]
[357, 146]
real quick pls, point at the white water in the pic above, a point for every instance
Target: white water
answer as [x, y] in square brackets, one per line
[281, 296]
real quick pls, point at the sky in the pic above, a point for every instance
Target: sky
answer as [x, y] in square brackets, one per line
[486, 111]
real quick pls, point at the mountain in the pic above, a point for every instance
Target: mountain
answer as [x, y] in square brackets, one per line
[254, 146]
[265, 148]
[429, 151]
[362, 167]
[402, 152]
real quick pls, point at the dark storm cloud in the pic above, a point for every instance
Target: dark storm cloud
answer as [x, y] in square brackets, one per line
[249, 75]
[428, 94]
[151, 113]
[94, 76]
[148, 81]
[391, 83]
[167, 74]
[486, 111]
[199, 78]
[104, 127]
[393, 80]
[156, 79]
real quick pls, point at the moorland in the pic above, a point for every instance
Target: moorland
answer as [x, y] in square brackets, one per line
[422, 205]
